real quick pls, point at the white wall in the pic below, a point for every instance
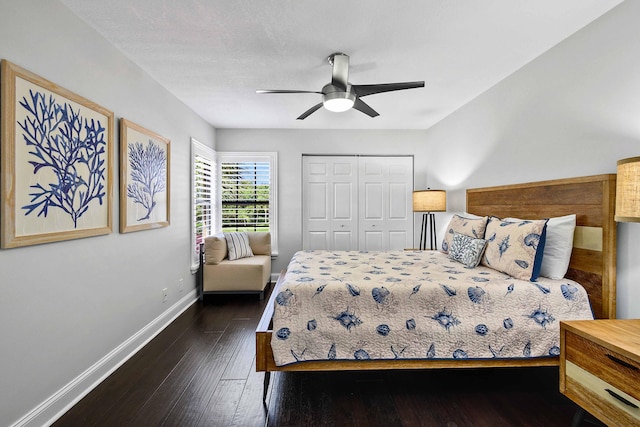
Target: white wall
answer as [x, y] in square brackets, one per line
[65, 306]
[574, 111]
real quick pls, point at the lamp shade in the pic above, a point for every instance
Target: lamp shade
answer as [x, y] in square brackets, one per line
[628, 190]
[429, 201]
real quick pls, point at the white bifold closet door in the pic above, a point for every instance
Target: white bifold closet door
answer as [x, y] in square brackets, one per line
[357, 202]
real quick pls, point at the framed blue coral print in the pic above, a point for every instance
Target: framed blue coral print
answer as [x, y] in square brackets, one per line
[144, 178]
[57, 161]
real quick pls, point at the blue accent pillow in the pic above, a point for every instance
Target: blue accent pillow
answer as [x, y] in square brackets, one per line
[466, 250]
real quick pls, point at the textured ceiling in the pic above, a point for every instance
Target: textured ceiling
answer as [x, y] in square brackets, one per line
[214, 54]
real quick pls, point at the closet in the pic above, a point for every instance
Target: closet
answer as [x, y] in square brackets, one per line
[357, 202]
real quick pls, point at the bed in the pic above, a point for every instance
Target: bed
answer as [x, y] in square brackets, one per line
[592, 265]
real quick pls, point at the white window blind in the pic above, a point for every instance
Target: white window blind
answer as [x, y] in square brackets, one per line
[248, 190]
[245, 196]
[203, 197]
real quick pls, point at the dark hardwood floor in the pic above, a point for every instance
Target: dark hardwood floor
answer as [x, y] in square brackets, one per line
[200, 371]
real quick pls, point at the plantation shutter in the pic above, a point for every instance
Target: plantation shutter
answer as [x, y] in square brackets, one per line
[204, 174]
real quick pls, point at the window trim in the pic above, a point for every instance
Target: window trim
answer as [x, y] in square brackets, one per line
[254, 156]
[200, 149]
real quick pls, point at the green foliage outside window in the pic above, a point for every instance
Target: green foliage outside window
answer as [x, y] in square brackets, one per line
[245, 196]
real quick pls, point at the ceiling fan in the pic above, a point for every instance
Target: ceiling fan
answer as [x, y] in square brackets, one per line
[340, 95]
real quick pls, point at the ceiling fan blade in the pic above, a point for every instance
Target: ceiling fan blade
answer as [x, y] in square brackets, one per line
[360, 105]
[310, 111]
[286, 91]
[364, 90]
[340, 71]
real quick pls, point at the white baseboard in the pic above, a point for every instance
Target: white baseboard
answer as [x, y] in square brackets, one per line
[60, 402]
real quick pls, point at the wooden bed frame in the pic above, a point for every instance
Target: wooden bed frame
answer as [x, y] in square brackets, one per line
[593, 263]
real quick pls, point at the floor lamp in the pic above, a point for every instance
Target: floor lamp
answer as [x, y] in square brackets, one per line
[429, 201]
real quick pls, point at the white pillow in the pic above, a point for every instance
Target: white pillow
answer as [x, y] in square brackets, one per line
[558, 246]
[238, 245]
[470, 215]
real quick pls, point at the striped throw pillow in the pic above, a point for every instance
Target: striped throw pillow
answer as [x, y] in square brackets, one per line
[238, 245]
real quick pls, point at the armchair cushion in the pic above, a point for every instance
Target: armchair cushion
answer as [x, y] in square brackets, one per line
[215, 249]
[260, 243]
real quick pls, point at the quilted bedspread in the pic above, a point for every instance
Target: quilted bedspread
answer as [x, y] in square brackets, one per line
[415, 305]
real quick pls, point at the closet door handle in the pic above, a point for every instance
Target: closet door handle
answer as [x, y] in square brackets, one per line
[622, 362]
[620, 398]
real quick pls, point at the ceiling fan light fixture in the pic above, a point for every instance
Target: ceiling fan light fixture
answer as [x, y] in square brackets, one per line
[338, 101]
[339, 95]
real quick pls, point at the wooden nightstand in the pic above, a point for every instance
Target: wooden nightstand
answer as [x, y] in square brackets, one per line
[600, 368]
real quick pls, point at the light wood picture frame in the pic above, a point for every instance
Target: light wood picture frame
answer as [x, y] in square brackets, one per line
[57, 161]
[145, 159]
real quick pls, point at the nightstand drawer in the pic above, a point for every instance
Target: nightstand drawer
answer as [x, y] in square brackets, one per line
[616, 406]
[611, 367]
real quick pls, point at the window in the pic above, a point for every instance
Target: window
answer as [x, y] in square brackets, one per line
[203, 196]
[248, 193]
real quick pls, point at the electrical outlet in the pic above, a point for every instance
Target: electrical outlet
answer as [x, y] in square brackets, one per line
[180, 285]
[164, 295]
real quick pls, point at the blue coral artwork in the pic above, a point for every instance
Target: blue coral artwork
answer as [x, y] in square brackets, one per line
[144, 180]
[148, 175]
[57, 156]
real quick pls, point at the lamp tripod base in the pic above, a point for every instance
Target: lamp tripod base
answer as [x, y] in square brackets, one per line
[428, 231]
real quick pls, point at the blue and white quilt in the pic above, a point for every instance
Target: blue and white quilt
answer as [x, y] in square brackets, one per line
[415, 305]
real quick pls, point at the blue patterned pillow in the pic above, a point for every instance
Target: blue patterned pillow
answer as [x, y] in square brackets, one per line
[466, 250]
[472, 227]
[557, 247]
[515, 248]
[238, 245]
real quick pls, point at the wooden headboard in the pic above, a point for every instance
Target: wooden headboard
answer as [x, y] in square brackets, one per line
[592, 199]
